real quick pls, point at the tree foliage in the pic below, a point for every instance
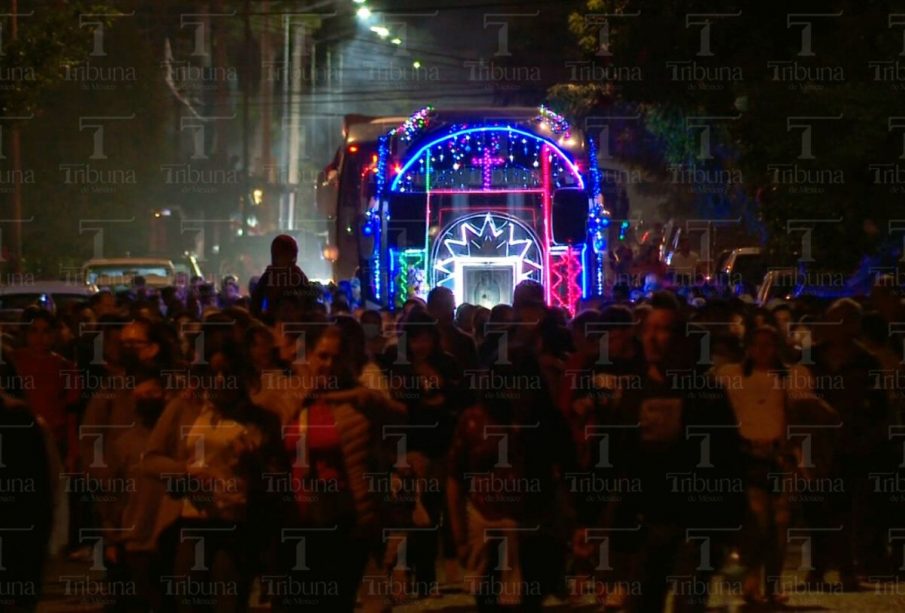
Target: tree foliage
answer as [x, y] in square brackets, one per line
[48, 42]
[90, 111]
[801, 99]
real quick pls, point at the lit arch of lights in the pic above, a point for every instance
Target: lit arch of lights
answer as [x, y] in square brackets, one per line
[483, 239]
[486, 161]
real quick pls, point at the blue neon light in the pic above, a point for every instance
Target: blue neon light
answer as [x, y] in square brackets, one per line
[600, 263]
[376, 273]
[383, 150]
[391, 282]
[593, 170]
[451, 135]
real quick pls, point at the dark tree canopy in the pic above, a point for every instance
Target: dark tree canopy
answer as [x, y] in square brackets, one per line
[782, 111]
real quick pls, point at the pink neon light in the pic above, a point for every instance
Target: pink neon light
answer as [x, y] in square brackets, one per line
[487, 162]
[428, 261]
[573, 290]
[563, 285]
[559, 152]
[502, 190]
[548, 218]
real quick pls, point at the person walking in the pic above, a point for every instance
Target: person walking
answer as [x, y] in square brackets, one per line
[759, 392]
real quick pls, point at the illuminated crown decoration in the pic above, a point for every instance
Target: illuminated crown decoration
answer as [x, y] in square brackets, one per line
[419, 121]
[558, 124]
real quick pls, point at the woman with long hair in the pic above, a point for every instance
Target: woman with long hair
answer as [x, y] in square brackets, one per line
[333, 441]
[213, 448]
[370, 375]
[267, 381]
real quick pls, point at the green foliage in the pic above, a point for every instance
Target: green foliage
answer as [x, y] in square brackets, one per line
[758, 77]
[70, 185]
[48, 42]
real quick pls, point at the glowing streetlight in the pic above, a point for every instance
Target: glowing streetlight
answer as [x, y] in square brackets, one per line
[396, 41]
[416, 64]
[380, 31]
[364, 13]
[330, 253]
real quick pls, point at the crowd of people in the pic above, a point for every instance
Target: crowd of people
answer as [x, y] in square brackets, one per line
[205, 454]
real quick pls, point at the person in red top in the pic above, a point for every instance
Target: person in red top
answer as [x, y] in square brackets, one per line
[50, 386]
[334, 444]
[50, 383]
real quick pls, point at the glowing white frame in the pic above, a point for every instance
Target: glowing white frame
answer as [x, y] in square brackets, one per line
[460, 264]
[454, 266]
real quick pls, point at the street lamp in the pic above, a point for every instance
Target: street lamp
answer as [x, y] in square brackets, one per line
[364, 13]
[330, 253]
[380, 31]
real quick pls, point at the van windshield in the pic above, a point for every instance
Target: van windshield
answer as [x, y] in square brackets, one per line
[123, 274]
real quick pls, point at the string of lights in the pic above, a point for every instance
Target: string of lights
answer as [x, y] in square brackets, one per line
[488, 195]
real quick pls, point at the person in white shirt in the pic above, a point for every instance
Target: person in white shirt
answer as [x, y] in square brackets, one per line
[684, 261]
[759, 390]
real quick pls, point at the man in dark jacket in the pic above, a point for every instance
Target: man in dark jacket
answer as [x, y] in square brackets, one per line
[846, 377]
[676, 438]
[282, 279]
[441, 304]
[28, 505]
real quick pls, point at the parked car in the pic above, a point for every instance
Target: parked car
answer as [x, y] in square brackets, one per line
[118, 273]
[777, 284]
[745, 266]
[719, 262]
[788, 283]
[50, 295]
[189, 265]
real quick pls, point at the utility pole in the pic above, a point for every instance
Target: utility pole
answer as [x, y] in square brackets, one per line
[246, 124]
[16, 151]
[295, 125]
[284, 130]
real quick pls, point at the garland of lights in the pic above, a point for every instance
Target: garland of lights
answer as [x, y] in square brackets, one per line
[372, 215]
[383, 156]
[376, 272]
[408, 274]
[473, 158]
[594, 170]
[598, 222]
[487, 158]
[414, 124]
[598, 216]
[558, 124]
[371, 223]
